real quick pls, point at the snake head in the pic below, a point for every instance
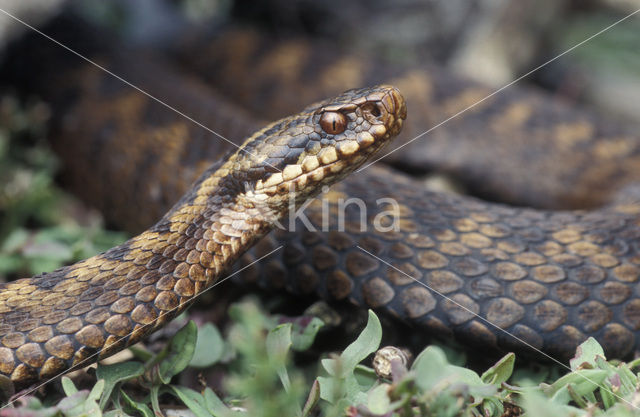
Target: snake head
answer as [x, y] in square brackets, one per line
[293, 158]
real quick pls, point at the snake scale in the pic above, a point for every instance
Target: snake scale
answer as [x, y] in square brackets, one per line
[77, 314]
[550, 277]
[521, 146]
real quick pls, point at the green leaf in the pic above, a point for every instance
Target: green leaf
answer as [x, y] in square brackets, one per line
[365, 376]
[78, 405]
[16, 239]
[303, 335]
[378, 400]
[179, 352]
[141, 408]
[114, 374]
[428, 366]
[330, 389]
[68, 387]
[154, 396]
[312, 399]
[455, 356]
[96, 391]
[335, 389]
[353, 392]
[141, 353]
[501, 371]
[536, 404]
[584, 381]
[32, 409]
[193, 400]
[431, 368]
[278, 344]
[586, 354]
[628, 380]
[493, 407]
[115, 413]
[578, 399]
[10, 263]
[209, 347]
[608, 399]
[214, 404]
[366, 343]
[464, 375]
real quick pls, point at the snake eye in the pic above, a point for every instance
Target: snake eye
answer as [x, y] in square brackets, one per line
[333, 122]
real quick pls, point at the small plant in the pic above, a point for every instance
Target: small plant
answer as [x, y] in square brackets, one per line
[260, 380]
[39, 230]
[258, 376]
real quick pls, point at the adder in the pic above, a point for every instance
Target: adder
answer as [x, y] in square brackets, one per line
[550, 278]
[72, 316]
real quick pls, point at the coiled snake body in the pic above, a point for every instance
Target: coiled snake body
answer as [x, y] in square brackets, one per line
[551, 278]
[63, 319]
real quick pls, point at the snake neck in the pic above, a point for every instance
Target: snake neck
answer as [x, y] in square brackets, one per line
[60, 320]
[212, 226]
[69, 317]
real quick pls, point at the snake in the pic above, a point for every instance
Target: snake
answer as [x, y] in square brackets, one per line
[522, 146]
[69, 317]
[550, 275]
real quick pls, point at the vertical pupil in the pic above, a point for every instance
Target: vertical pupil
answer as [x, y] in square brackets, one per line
[333, 122]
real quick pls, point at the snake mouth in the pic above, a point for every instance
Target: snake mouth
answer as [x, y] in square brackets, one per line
[328, 140]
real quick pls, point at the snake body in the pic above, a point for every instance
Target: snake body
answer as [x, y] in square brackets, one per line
[74, 315]
[520, 146]
[551, 278]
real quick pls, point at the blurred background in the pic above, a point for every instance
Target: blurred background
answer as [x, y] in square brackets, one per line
[493, 41]
[490, 41]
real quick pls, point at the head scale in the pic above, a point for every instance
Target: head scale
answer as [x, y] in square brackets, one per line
[320, 145]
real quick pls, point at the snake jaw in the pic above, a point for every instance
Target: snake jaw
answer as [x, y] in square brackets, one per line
[312, 150]
[133, 289]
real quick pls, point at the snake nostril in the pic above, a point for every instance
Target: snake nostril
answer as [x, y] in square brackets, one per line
[373, 111]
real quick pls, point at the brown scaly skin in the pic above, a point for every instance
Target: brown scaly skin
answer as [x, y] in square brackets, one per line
[551, 278]
[156, 155]
[72, 316]
[465, 258]
[521, 146]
